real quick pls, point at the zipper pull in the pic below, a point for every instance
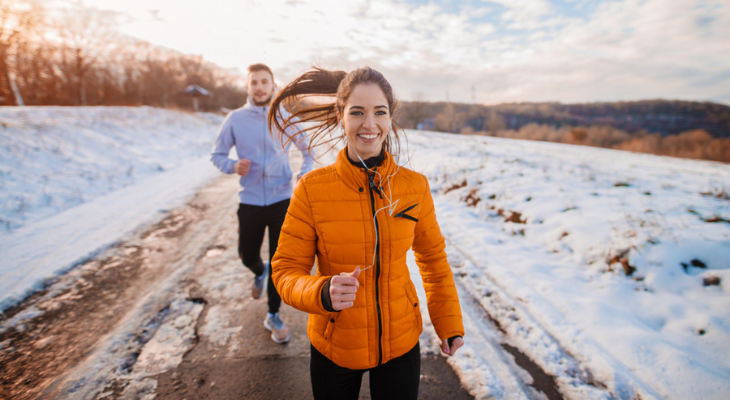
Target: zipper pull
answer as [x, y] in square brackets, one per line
[374, 187]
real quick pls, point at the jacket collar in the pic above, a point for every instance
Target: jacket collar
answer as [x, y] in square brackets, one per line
[355, 177]
[257, 109]
[371, 162]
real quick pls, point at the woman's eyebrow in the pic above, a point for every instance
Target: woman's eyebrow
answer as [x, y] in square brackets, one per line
[362, 108]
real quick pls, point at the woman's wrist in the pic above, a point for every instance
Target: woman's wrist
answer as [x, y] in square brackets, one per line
[325, 295]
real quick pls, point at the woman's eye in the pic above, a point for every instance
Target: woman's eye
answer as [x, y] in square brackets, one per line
[380, 113]
[356, 113]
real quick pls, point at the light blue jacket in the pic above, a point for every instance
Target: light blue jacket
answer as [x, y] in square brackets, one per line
[269, 180]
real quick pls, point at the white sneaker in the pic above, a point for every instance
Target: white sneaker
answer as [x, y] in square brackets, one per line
[279, 331]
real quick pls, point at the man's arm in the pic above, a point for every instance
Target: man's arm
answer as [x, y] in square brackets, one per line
[223, 143]
[302, 142]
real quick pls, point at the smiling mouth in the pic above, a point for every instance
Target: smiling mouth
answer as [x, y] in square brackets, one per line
[368, 136]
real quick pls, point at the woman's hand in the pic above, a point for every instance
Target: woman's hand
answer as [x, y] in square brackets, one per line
[455, 344]
[343, 288]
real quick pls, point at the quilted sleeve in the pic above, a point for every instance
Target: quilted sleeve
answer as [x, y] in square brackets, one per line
[438, 280]
[294, 258]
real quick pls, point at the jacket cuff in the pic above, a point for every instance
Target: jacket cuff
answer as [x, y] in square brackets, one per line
[451, 339]
[231, 166]
[326, 300]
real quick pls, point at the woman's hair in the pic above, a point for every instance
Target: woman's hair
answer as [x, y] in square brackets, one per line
[320, 117]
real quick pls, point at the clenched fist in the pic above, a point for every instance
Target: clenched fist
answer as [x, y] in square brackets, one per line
[343, 288]
[242, 166]
[451, 349]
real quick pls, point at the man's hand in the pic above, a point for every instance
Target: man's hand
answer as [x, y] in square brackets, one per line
[343, 288]
[242, 166]
[455, 344]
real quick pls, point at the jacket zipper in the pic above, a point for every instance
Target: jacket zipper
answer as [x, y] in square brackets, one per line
[377, 267]
[263, 176]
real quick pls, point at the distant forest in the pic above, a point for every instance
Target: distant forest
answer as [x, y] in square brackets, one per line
[76, 57]
[676, 128]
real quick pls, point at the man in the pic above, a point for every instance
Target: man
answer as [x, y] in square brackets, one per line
[266, 186]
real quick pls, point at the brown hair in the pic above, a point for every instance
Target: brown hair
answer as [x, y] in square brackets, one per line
[323, 116]
[260, 67]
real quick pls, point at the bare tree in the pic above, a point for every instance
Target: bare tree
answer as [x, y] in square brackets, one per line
[418, 104]
[86, 34]
[446, 118]
[76, 57]
[18, 20]
[494, 122]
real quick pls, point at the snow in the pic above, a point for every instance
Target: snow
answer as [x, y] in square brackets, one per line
[75, 180]
[598, 277]
[549, 282]
[165, 350]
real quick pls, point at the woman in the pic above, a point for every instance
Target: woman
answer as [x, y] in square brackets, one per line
[359, 216]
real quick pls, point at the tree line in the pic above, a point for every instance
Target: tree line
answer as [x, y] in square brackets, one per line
[77, 57]
[660, 116]
[687, 129]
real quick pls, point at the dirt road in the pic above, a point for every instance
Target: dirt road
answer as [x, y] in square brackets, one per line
[167, 314]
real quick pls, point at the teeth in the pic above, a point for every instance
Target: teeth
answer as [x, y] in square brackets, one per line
[368, 137]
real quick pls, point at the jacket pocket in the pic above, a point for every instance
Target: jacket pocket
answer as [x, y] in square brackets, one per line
[413, 300]
[331, 321]
[404, 213]
[278, 173]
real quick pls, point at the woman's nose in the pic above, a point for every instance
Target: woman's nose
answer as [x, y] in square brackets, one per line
[369, 122]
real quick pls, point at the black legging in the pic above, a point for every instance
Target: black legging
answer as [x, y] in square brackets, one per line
[396, 379]
[252, 221]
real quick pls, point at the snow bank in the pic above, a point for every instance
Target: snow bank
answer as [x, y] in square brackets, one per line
[616, 261]
[74, 180]
[609, 270]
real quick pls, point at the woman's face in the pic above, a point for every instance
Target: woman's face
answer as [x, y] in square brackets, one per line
[366, 120]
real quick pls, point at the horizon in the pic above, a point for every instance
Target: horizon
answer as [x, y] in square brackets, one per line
[575, 103]
[470, 51]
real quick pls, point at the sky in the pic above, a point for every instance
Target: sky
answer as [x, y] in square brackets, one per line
[487, 52]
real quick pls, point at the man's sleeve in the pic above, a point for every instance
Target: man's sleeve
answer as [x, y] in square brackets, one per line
[223, 143]
[302, 143]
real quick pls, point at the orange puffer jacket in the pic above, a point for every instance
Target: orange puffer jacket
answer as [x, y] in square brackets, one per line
[331, 216]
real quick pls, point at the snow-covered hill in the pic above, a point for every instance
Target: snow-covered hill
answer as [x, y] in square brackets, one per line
[55, 158]
[607, 268]
[74, 180]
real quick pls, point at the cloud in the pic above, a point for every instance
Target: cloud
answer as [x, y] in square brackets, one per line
[620, 51]
[508, 50]
[155, 14]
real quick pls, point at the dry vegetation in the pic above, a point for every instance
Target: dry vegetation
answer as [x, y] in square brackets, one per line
[698, 130]
[697, 144]
[79, 58]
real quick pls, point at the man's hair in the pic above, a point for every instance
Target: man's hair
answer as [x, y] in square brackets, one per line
[260, 67]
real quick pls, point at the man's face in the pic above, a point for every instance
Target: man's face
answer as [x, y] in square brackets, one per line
[260, 87]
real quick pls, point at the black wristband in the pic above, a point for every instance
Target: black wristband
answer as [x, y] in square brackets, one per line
[326, 299]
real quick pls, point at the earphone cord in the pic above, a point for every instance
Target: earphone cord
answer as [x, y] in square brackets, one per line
[391, 206]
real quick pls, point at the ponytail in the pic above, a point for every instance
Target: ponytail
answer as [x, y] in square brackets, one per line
[327, 92]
